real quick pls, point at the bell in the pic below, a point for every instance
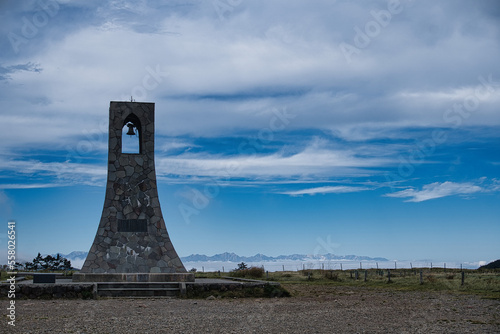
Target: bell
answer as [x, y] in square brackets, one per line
[131, 131]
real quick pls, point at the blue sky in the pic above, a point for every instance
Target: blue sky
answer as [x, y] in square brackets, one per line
[346, 127]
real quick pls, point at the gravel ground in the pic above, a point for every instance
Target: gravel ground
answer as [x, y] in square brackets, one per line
[312, 309]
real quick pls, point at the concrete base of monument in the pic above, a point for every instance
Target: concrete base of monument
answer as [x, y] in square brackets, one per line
[200, 288]
[133, 277]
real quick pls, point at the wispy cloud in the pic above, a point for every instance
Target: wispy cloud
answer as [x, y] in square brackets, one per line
[172, 144]
[313, 161]
[28, 173]
[325, 190]
[437, 190]
[32, 185]
[6, 71]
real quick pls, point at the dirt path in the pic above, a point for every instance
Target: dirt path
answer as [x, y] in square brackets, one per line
[319, 309]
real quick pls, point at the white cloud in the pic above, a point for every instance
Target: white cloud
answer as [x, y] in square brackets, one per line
[57, 173]
[225, 77]
[30, 185]
[325, 190]
[437, 190]
[255, 52]
[313, 161]
[172, 144]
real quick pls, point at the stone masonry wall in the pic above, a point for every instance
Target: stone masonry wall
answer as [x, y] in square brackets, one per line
[132, 198]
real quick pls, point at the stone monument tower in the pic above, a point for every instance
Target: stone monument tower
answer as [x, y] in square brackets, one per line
[132, 243]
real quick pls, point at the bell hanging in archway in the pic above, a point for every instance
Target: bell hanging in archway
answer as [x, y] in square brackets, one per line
[131, 131]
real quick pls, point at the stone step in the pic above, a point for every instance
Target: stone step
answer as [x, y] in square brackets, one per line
[138, 293]
[103, 286]
[139, 289]
[134, 289]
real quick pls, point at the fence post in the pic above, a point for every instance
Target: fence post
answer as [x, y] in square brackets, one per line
[219, 273]
[341, 267]
[421, 277]
[283, 267]
[267, 274]
[463, 277]
[356, 274]
[366, 275]
[389, 275]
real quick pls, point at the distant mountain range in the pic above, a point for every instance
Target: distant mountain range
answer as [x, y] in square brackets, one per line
[75, 255]
[232, 257]
[79, 256]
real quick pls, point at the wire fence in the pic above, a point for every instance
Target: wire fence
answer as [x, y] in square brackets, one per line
[214, 266]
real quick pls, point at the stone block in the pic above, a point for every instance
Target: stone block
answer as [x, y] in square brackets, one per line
[113, 142]
[155, 203]
[129, 170]
[139, 160]
[127, 210]
[123, 161]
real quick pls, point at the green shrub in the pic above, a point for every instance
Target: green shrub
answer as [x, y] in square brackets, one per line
[252, 272]
[272, 291]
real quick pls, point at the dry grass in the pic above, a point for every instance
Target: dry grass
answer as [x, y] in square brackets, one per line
[485, 284]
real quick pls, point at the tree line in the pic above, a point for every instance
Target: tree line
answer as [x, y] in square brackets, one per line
[49, 262]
